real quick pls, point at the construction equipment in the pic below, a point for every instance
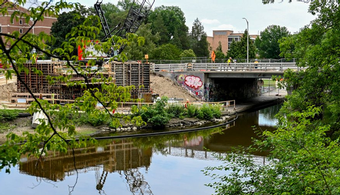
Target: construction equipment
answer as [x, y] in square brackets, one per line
[137, 13]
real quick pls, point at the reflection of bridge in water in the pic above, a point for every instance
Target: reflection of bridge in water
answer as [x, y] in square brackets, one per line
[117, 156]
[114, 157]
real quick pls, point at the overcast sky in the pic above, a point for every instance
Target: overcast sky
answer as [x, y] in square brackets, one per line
[228, 14]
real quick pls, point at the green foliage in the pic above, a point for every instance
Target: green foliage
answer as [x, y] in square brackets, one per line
[205, 112]
[198, 39]
[238, 49]
[8, 115]
[287, 47]
[192, 110]
[66, 21]
[176, 110]
[188, 53]
[166, 52]
[302, 160]
[268, 41]
[137, 51]
[98, 118]
[156, 114]
[169, 23]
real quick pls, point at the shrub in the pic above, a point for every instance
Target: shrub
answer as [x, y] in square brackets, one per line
[156, 115]
[175, 110]
[206, 112]
[192, 111]
[9, 115]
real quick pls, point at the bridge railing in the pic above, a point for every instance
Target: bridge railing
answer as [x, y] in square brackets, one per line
[268, 66]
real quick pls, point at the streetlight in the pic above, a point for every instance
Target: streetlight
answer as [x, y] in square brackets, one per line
[247, 40]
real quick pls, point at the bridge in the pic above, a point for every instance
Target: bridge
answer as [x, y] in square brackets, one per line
[221, 81]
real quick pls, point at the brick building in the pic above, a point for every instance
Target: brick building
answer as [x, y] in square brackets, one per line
[226, 37]
[20, 25]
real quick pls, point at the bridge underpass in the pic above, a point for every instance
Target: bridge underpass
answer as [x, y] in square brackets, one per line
[218, 82]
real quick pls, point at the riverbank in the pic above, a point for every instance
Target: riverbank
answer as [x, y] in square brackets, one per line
[20, 125]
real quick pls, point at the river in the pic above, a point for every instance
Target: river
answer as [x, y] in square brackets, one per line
[162, 165]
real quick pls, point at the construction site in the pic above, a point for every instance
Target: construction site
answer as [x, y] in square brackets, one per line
[121, 74]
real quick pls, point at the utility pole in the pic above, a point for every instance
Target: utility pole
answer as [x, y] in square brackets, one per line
[247, 40]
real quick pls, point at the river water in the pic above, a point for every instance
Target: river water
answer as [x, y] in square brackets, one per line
[162, 165]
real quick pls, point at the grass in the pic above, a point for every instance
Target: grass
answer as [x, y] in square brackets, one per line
[268, 83]
[86, 132]
[4, 127]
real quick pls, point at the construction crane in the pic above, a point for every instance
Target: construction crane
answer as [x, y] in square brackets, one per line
[137, 13]
[136, 182]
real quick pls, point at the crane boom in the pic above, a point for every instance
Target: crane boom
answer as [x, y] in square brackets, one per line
[103, 21]
[137, 13]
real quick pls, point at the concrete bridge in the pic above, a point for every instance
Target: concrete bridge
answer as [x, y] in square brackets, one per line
[221, 81]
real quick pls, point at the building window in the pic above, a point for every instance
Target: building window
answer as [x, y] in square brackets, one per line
[21, 31]
[20, 22]
[230, 39]
[0, 29]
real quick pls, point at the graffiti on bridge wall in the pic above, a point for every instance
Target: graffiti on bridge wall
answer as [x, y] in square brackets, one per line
[193, 84]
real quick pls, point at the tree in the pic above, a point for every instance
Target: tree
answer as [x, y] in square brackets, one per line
[268, 41]
[198, 39]
[287, 47]
[58, 133]
[219, 53]
[302, 161]
[188, 53]
[137, 51]
[304, 150]
[66, 21]
[166, 52]
[238, 49]
[169, 22]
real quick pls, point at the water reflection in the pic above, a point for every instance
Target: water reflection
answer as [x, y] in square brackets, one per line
[111, 156]
[132, 159]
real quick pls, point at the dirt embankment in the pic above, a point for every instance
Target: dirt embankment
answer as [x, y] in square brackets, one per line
[166, 87]
[7, 86]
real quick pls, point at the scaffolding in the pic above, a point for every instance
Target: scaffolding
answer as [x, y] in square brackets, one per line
[122, 74]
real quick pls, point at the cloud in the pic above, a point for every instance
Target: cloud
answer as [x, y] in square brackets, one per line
[207, 21]
[226, 27]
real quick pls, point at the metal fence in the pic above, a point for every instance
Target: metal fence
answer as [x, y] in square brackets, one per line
[261, 66]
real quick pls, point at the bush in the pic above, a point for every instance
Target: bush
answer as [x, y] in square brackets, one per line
[192, 111]
[9, 115]
[176, 110]
[206, 113]
[156, 115]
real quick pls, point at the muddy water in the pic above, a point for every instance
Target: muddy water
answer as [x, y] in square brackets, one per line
[164, 165]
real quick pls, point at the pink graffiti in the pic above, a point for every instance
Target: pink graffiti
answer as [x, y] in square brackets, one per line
[193, 82]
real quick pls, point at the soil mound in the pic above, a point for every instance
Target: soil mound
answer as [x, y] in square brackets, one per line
[166, 87]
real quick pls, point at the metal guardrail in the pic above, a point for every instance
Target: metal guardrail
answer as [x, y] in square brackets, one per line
[270, 66]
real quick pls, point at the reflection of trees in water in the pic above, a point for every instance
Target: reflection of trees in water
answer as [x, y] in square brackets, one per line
[161, 143]
[270, 112]
[120, 156]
